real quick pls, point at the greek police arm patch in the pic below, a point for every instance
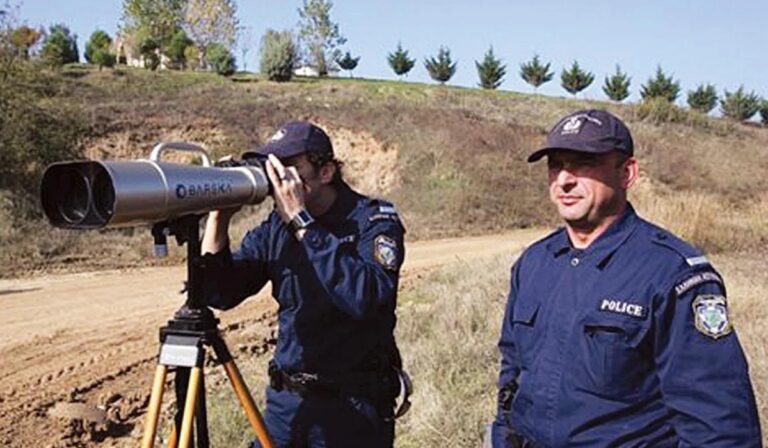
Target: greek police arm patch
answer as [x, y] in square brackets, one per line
[710, 314]
[386, 252]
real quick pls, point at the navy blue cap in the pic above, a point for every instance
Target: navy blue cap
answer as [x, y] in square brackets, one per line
[297, 137]
[593, 131]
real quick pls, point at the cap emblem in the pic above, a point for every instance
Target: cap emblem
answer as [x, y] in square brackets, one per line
[278, 136]
[573, 124]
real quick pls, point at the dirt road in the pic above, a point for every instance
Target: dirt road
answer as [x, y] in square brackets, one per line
[78, 351]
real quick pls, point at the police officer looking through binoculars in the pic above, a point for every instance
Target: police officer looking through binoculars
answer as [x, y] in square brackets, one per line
[333, 258]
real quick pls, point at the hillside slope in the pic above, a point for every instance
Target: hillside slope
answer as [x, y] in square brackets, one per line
[452, 159]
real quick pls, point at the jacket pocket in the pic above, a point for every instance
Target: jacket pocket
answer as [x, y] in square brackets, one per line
[615, 359]
[526, 330]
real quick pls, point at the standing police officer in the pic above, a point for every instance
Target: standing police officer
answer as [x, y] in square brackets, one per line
[616, 332]
[333, 257]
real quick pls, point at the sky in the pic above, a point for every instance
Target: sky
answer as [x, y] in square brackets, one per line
[697, 41]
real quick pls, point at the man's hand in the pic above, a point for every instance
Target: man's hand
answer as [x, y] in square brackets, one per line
[288, 188]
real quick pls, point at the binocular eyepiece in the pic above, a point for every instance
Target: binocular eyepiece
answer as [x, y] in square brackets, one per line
[98, 194]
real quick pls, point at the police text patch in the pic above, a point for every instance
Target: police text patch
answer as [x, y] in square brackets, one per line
[621, 307]
[710, 314]
[386, 252]
[696, 280]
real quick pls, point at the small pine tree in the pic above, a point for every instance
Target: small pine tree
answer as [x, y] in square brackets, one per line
[617, 86]
[662, 86]
[764, 111]
[103, 58]
[739, 105]
[99, 41]
[491, 71]
[703, 99]
[534, 73]
[278, 55]
[441, 68]
[60, 47]
[348, 62]
[575, 79]
[400, 62]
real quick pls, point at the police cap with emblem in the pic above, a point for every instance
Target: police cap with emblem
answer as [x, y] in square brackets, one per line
[297, 137]
[592, 131]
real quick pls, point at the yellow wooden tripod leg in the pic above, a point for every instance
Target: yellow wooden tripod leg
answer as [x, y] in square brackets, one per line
[189, 407]
[153, 413]
[172, 439]
[246, 401]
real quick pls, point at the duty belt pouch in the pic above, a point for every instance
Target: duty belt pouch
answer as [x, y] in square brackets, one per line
[275, 376]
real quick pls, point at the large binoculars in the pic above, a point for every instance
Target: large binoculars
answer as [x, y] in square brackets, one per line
[97, 194]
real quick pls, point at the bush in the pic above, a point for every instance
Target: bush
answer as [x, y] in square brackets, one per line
[103, 58]
[739, 105]
[442, 67]
[662, 86]
[703, 99]
[660, 110]
[99, 41]
[616, 87]
[192, 58]
[60, 47]
[278, 55]
[176, 50]
[220, 59]
[764, 111]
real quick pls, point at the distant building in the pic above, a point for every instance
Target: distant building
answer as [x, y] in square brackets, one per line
[306, 70]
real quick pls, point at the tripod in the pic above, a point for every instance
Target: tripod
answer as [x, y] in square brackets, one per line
[182, 347]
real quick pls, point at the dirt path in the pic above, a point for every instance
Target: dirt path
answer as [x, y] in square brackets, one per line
[78, 351]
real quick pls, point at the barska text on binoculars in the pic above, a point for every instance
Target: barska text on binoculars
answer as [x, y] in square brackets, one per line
[204, 190]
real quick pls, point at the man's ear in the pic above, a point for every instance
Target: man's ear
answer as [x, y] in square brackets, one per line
[327, 171]
[631, 173]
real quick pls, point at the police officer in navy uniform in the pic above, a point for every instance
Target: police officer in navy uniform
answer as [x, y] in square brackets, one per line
[333, 257]
[616, 332]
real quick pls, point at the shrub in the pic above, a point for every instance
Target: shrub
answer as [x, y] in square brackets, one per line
[399, 61]
[739, 105]
[703, 99]
[491, 71]
[442, 67]
[278, 55]
[220, 59]
[661, 86]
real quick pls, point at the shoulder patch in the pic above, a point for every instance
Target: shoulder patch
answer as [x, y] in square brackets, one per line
[386, 252]
[710, 313]
[695, 280]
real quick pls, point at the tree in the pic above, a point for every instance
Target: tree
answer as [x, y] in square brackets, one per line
[244, 42]
[148, 49]
[739, 105]
[662, 86]
[210, 22]
[703, 99]
[764, 111]
[23, 39]
[617, 86]
[348, 62]
[400, 62]
[491, 71]
[574, 80]
[278, 55]
[442, 67]
[60, 47]
[319, 35]
[152, 19]
[99, 40]
[534, 73]
[220, 59]
[176, 50]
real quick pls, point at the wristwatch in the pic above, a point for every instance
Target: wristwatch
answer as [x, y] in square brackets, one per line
[302, 220]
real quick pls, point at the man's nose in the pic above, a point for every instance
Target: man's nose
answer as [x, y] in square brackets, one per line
[565, 178]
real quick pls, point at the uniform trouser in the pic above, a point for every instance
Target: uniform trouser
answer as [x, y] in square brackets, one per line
[323, 421]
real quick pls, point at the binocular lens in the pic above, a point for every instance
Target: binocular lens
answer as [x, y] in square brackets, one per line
[104, 195]
[66, 196]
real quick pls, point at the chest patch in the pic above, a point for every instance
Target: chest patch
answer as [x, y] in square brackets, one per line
[385, 251]
[622, 307]
[710, 314]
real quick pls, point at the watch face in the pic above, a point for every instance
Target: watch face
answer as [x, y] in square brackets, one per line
[302, 220]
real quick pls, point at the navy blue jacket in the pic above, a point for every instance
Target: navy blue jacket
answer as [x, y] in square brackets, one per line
[336, 289]
[625, 343]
